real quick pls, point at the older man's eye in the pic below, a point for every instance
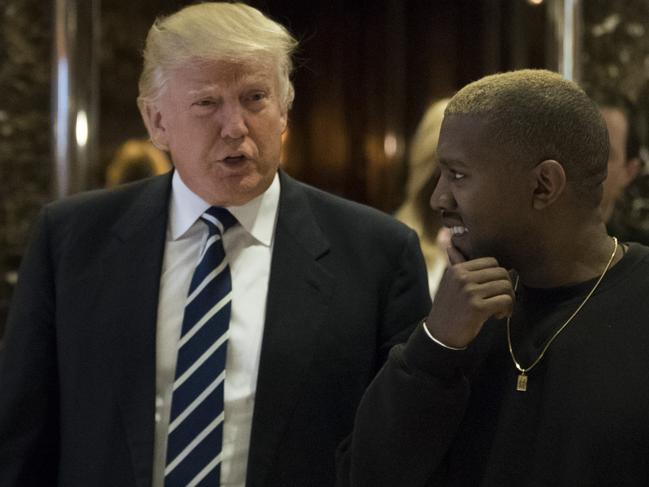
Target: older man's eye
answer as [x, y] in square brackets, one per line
[256, 97]
[456, 175]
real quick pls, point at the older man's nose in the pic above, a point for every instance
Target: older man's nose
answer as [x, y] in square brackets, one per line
[233, 123]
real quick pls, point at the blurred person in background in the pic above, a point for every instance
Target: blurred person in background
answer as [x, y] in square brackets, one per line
[624, 161]
[136, 159]
[631, 218]
[625, 203]
[423, 173]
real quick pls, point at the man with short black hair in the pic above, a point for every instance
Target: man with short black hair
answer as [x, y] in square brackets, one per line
[532, 367]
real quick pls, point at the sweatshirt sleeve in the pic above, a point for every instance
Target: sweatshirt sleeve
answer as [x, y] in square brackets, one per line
[407, 418]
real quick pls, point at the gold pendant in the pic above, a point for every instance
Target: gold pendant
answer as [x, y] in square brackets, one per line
[521, 382]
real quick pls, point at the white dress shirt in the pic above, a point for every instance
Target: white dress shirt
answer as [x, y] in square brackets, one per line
[248, 247]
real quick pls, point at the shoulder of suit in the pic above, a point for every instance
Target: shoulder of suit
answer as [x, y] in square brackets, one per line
[90, 210]
[98, 199]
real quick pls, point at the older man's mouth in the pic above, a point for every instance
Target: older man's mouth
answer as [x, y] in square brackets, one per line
[234, 160]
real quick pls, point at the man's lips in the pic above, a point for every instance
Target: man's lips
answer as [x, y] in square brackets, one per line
[235, 165]
[235, 159]
[454, 223]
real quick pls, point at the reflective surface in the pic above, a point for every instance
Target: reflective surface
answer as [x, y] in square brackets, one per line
[75, 94]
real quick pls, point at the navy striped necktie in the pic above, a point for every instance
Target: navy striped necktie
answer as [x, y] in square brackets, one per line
[195, 439]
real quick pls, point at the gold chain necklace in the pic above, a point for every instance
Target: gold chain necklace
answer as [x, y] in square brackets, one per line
[521, 382]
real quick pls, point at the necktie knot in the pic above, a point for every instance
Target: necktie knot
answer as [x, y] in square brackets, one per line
[218, 219]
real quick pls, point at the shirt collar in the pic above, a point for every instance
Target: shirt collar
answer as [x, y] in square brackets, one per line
[257, 216]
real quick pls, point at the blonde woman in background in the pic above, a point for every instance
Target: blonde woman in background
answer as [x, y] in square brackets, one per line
[422, 177]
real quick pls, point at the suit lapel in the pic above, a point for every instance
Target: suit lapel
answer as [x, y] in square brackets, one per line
[132, 277]
[298, 296]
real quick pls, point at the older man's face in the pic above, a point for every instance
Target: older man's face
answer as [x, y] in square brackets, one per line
[222, 124]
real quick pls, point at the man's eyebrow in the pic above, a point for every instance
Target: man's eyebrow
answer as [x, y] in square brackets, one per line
[451, 162]
[206, 90]
[256, 82]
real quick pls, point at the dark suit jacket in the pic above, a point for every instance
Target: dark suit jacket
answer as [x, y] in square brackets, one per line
[77, 382]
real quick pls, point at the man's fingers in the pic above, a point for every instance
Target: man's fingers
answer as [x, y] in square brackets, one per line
[454, 255]
[491, 288]
[499, 306]
[486, 275]
[492, 299]
[480, 263]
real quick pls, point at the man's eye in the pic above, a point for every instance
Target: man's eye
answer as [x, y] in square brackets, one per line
[204, 103]
[456, 175]
[256, 96]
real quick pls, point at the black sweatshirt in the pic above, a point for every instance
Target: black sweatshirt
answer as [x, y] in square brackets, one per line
[438, 417]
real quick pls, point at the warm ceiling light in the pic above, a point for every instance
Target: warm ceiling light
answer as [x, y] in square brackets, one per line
[390, 145]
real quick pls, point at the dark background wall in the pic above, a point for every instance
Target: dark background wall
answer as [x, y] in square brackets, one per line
[25, 52]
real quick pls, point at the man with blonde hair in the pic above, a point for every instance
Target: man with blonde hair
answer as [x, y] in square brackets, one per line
[532, 367]
[214, 326]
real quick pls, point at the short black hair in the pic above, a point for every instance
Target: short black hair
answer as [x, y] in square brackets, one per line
[538, 115]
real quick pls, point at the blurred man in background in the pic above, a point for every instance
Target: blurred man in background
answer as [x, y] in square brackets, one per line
[624, 149]
[624, 201]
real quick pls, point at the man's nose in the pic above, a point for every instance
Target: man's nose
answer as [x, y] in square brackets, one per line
[441, 199]
[233, 121]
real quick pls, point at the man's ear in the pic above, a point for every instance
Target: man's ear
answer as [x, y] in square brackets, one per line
[549, 180]
[284, 121]
[154, 123]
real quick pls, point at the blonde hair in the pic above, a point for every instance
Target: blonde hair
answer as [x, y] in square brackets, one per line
[215, 31]
[423, 148]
